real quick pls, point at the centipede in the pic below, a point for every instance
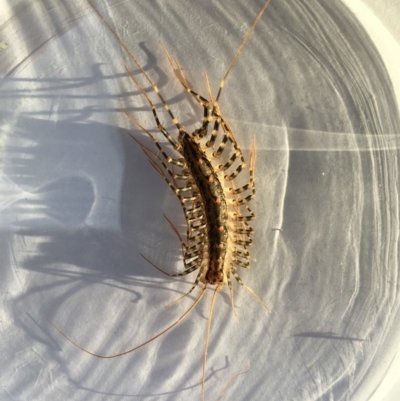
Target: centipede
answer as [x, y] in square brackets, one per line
[202, 173]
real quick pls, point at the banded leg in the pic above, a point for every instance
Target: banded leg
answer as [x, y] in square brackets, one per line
[228, 277]
[192, 216]
[133, 58]
[171, 140]
[251, 184]
[184, 273]
[206, 119]
[188, 252]
[173, 175]
[243, 254]
[236, 217]
[245, 264]
[206, 104]
[194, 256]
[242, 228]
[243, 242]
[151, 82]
[239, 280]
[228, 136]
[249, 217]
[178, 162]
[196, 282]
[184, 82]
[238, 153]
[247, 230]
[174, 186]
[195, 240]
[175, 230]
[177, 191]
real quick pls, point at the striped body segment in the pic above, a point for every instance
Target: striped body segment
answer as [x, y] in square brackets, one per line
[214, 209]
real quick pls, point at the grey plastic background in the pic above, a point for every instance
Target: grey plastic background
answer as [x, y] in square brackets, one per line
[79, 202]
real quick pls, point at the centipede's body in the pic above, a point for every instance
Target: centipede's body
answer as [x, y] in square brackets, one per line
[203, 177]
[212, 217]
[218, 233]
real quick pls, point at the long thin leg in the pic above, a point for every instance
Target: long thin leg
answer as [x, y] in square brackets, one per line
[184, 273]
[228, 277]
[238, 279]
[251, 184]
[182, 79]
[211, 110]
[206, 119]
[196, 282]
[228, 136]
[207, 340]
[175, 144]
[141, 345]
[246, 38]
[183, 199]
[190, 215]
[133, 58]
[243, 242]
[206, 104]
[175, 230]
[240, 263]
[231, 381]
[170, 184]
[178, 162]
[192, 254]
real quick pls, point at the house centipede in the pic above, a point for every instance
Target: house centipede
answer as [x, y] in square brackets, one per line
[216, 211]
